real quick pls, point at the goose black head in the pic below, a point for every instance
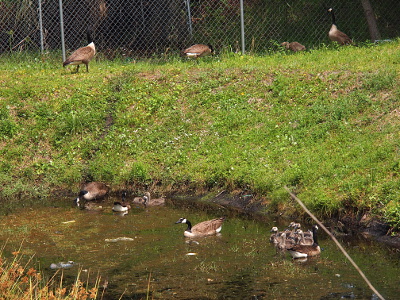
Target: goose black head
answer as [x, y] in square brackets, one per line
[181, 220]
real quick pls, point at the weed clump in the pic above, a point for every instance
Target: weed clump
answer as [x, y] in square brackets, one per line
[19, 281]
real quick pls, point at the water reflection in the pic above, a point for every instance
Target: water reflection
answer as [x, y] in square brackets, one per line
[144, 253]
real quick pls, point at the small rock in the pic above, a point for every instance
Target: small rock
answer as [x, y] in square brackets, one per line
[62, 265]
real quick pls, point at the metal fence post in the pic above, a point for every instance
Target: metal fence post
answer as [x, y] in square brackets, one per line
[41, 25]
[62, 30]
[189, 17]
[242, 25]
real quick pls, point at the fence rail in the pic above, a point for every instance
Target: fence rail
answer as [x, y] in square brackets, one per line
[153, 27]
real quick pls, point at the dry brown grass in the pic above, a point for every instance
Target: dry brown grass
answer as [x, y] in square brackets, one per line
[20, 281]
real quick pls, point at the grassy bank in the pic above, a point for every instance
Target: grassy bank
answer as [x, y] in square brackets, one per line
[325, 123]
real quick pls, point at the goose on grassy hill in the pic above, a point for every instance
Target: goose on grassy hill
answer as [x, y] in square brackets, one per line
[293, 46]
[198, 50]
[335, 34]
[82, 55]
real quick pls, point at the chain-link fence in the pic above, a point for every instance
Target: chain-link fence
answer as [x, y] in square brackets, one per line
[153, 27]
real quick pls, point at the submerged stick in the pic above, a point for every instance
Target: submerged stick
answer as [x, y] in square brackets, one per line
[336, 242]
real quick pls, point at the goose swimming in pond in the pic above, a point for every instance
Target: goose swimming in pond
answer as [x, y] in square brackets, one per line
[202, 229]
[120, 207]
[146, 200]
[305, 238]
[284, 240]
[302, 251]
[291, 231]
[274, 235]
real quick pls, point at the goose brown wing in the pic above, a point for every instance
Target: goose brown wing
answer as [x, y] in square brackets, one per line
[301, 248]
[82, 54]
[344, 38]
[340, 37]
[97, 189]
[198, 48]
[295, 46]
[207, 227]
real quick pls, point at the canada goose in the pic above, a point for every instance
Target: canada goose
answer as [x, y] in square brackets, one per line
[198, 50]
[202, 229]
[335, 34]
[120, 207]
[274, 235]
[291, 231]
[284, 241]
[301, 251]
[91, 191]
[148, 201]
[293, 46]
[82, 55]
[283, 238]
[304, 238]
[139, 200]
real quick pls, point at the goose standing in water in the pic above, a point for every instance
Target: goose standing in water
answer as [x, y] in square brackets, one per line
[205, 228]
[90, 192]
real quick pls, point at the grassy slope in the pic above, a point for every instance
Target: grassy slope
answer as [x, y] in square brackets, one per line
[325, 123]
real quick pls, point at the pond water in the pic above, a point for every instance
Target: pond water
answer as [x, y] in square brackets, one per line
[158, 262]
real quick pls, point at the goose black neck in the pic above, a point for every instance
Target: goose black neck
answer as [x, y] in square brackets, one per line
[189, 228]
[89, 36]
[315, 238]
[333, 17]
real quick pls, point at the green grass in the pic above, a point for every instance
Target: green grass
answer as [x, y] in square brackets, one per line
[325, 123]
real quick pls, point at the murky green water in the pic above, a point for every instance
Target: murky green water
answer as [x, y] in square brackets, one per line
[238, 264]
